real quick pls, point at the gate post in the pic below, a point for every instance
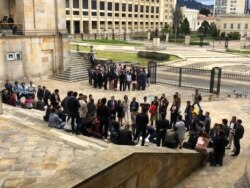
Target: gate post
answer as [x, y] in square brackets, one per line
[180, 76]
[152, 65]
[215, 80]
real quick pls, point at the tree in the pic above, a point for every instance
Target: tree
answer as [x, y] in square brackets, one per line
[177, 18]
[185, 28]
[213, 30]
[204, 28]
[204, 11]
[166, 29]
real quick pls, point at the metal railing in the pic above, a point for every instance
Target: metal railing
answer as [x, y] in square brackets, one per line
[11, 29]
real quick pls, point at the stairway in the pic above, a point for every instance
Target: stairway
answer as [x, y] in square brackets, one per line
[77, 70]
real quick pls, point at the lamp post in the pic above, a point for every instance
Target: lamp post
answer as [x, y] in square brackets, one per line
[201, 37]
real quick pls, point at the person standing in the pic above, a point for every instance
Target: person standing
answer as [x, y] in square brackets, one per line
[73, 107]
[239, 133]
[125, 106]
[188, 115]
[103, 116]
[161, 129]
[154, 110]
[83, 110]
[180, 129]
[128, 80]
[92, 60]
[197, 99]
[232, 127]
[55, 98]
[120, 112]
[207, 122]
[141, 126]
[112, 107]
[174, 114]
[122, 78]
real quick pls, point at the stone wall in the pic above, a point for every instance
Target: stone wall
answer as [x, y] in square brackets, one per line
[41, 56]
[146, 170]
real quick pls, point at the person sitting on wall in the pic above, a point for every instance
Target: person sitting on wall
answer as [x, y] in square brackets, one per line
[125, 136]
[8, 85]
[6, 96]
[54, 120]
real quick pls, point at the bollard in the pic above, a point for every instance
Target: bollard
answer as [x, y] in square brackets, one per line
[1, 104]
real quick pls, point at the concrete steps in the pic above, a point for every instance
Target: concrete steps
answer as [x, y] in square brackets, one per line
[77, 70]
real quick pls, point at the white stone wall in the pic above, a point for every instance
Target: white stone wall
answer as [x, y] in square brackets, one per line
[41, 56]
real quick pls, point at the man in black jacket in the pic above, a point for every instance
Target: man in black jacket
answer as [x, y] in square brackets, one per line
[141, 124]
[239, 133]
[73, 107]
[103, 116]
[125, 136]
[161, 127]
[112, 107]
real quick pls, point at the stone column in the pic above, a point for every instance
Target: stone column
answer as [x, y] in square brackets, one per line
[243, 42]
[72, 27]
[1, 105]
[81, 21]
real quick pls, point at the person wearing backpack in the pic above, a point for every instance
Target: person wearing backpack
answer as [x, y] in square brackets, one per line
[239, 133]
[197, 99]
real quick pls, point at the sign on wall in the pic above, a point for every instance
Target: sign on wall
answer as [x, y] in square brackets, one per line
[14, 56]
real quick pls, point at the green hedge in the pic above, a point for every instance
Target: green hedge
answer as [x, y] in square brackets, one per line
[198, 43]
[153, 55]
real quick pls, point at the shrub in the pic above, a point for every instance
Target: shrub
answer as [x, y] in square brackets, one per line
[153, 55]
[234, 35]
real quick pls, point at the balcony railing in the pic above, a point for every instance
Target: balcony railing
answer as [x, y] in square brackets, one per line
[7, 29]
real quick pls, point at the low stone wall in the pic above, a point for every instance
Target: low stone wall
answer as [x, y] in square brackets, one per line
[145, 170]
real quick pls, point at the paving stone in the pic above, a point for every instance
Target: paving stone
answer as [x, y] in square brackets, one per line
[15, 174]
[14, 149]
[49, 166]
[12, 183]
[38, 154]
[19, 167]
[28, 181]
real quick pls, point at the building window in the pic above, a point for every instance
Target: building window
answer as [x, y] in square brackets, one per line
[85, 4]
[75, 3]
[141, 8]
[93, 4]
[110, 14]
[67, 12]
[232, 26]
[246, 26]
[116, 14]
[147, 9]
[102, 14]
[102, 6]
[136, 8]
[123, 6]
[93, 13]
[67, 3]
[157, 10]
[130, 7]
[238, 26]
[85, 13]
[109, 6]
[152, 9]
[123, 15]
[225, 26]
[75, 12]
[116, 6]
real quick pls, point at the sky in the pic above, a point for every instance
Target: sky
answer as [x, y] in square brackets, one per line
[206, 2]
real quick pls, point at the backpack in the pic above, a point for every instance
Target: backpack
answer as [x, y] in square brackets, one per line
[199, 98]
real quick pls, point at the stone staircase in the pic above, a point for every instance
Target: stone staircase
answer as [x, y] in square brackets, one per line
[77, 70]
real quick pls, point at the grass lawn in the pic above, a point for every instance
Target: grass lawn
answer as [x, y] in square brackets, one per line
[121, 56]
[245, 52]
[112, 42]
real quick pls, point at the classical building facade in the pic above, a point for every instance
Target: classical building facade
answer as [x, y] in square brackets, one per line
[192, 17]
[98, 16]
[39, 46]
[234, 23]
[222, 7]
[201, 18]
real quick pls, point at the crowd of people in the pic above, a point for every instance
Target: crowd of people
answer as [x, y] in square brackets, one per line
[108, 76]
[124, 121]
